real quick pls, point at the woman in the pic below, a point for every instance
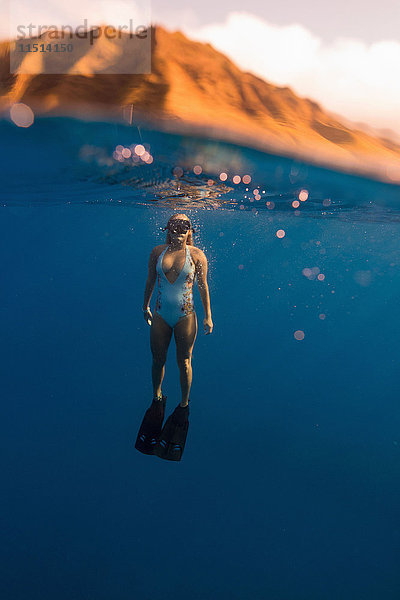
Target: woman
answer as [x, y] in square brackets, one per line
[174, 265]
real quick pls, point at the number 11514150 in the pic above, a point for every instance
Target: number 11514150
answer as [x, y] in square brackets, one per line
[44, 47]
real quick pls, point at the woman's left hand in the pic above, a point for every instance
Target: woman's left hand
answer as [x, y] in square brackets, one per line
[148, 317]
[208, 325]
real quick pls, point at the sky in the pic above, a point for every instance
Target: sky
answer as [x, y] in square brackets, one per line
[357, 19]
[343, 54]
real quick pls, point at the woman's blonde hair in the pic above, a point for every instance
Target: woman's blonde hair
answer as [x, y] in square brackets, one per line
[180, 216]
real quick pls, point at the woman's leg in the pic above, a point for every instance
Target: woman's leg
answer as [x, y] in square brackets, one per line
[160, 337]
[185, 332]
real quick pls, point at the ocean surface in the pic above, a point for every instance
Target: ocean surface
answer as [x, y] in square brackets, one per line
[289, 485]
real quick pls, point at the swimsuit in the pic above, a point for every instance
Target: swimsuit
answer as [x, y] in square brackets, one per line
[175, 300]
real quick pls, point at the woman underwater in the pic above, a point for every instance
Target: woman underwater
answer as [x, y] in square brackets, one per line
[174, 265]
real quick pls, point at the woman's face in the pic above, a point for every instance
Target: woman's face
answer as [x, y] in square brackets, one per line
[179, 228]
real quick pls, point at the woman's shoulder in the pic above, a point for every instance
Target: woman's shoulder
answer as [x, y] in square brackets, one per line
[158, 249]
[196, 253]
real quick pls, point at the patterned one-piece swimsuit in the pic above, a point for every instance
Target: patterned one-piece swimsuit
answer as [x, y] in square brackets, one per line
[175, 300]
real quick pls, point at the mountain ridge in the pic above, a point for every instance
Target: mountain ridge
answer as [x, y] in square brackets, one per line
[193, 88]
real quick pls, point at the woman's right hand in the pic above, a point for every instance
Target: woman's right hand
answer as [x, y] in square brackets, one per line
[208, 325]
[148, 317]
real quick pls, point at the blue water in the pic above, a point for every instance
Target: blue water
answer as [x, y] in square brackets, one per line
[289, 484]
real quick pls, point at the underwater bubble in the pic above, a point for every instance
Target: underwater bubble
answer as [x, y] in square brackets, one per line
[363, 278]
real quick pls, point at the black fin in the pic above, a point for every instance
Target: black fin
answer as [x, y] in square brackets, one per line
[151, 426]
[172, 440]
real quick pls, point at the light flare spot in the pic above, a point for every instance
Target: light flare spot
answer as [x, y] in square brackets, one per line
[21, 114]
[280, 233]
[178, 171]
[139, 149]
[303, 195]
[299, 335]
[393, 172]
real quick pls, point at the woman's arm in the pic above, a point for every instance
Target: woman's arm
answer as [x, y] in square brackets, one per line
[150, 283]
[201, 273]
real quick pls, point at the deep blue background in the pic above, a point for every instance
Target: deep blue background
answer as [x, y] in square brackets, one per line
[289, 484]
